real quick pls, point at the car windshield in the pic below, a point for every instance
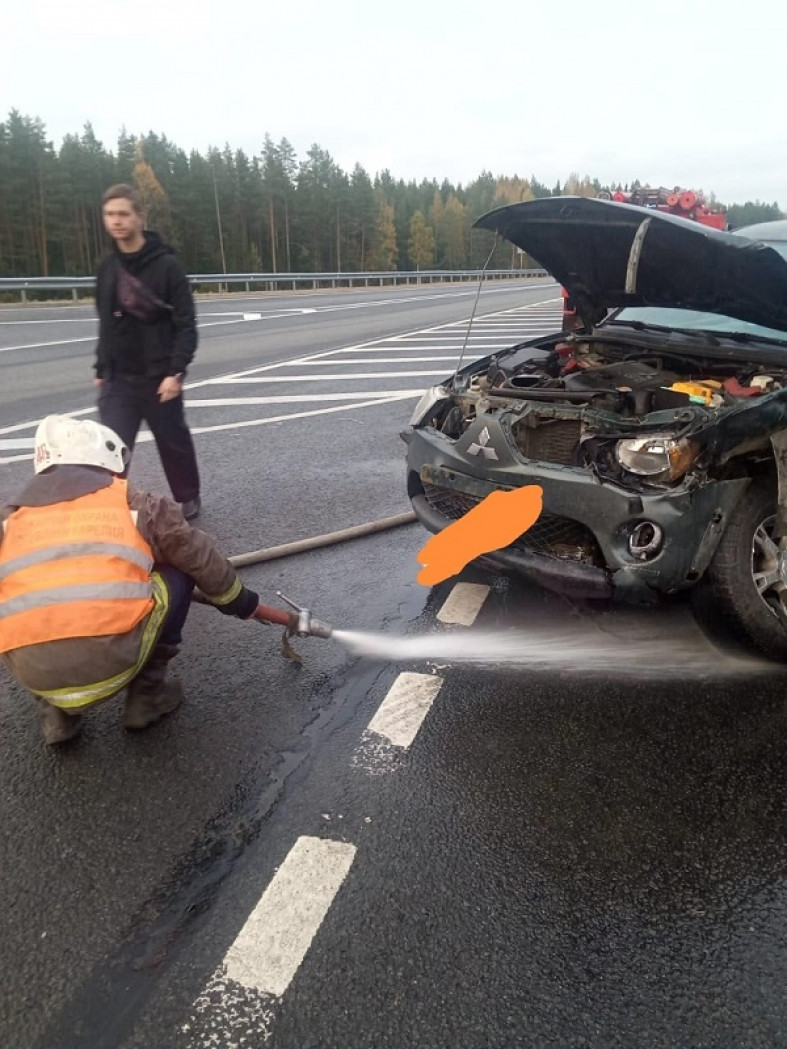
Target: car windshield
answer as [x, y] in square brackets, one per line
[694, 320]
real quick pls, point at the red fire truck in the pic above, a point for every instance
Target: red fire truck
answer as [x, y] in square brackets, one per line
[682, 202]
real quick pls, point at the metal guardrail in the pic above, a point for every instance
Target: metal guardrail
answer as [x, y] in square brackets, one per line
[278, 281]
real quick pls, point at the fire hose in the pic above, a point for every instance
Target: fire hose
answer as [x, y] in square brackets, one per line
[299, 622]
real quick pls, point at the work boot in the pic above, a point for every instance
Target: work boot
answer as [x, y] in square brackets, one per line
[150, 696]
[191, 508]
[57, 726]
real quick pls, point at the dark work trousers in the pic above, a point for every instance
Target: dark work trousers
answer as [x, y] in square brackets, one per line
[180, 587]
[124, 402]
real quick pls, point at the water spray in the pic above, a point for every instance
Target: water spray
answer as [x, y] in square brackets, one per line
[307, 625]
[645, 648]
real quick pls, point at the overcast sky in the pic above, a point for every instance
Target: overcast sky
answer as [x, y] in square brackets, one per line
[687, 93]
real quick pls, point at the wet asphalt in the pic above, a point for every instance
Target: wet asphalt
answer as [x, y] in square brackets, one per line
[557, 860]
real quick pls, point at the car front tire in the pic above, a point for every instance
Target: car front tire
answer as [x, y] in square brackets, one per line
[736, 595]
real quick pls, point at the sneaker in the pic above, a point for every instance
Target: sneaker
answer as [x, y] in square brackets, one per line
[191, 508]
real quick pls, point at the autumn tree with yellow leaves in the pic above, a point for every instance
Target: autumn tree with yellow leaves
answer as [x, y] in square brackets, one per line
[421, 246]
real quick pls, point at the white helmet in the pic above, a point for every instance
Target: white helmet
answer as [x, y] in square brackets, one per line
[61, 440]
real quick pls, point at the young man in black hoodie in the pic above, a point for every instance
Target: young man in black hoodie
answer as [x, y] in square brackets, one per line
[147, 336]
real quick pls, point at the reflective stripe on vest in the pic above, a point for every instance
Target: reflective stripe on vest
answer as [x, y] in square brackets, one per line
[78, 592]
[73, 569]
[54, 553]
[78, 697]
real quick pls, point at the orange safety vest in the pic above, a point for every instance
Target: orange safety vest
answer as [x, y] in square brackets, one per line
[73, 569]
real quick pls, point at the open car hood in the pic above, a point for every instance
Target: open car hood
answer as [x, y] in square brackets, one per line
[608, 255]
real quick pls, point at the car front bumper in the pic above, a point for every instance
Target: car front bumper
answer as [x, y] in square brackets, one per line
[598, 517]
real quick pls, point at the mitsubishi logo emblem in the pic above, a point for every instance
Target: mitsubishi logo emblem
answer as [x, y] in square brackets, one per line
[483, 447]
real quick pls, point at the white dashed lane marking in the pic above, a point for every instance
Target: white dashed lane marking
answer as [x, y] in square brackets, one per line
[242, 998]
[242, 423]
[463, 604]
[348, 377]
[41, 345]
[401, 714]
[445, 359]
[403, 710]
[399, 717]
[272, 944]
[226, 402]
[8, 443]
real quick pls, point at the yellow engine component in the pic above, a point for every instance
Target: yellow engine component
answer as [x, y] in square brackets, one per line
[700, 392]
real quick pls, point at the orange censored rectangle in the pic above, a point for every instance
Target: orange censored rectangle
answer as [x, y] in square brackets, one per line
[500, 519]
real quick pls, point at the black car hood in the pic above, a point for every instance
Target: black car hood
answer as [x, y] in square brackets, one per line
[608, 255]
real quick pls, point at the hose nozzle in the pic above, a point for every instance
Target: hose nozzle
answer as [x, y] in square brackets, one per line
[307, 626]
[319, 629]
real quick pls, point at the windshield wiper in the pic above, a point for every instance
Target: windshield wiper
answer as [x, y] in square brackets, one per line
[703, 333]
[695, 333]
[712, 338]
[748, 338]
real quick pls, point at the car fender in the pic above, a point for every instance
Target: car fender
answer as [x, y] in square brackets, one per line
[726, 495]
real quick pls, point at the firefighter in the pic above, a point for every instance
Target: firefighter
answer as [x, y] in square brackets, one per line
[96, 580]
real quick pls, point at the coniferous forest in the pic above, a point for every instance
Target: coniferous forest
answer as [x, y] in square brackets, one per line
[269, 213]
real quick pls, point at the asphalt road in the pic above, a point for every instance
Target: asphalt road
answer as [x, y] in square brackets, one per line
[456, 855]
[236, 331]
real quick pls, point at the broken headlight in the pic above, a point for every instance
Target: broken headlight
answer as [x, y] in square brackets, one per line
[658, 457]
[424, 410]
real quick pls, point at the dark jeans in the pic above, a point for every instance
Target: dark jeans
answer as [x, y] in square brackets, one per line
[180, 587]
[124, 402]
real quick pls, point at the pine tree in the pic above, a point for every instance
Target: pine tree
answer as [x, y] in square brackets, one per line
[268, 212]
[361, 219]
[29, 170]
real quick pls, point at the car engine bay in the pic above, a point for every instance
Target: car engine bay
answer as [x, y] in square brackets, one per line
[628, 381]
[576, 401]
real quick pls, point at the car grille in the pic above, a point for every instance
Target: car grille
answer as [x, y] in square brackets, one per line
[552, 441]
[558, 537]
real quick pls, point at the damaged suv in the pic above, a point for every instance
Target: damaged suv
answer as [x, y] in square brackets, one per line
[657, 431]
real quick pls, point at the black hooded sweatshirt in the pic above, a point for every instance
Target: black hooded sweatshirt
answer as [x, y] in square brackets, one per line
[146, 329]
